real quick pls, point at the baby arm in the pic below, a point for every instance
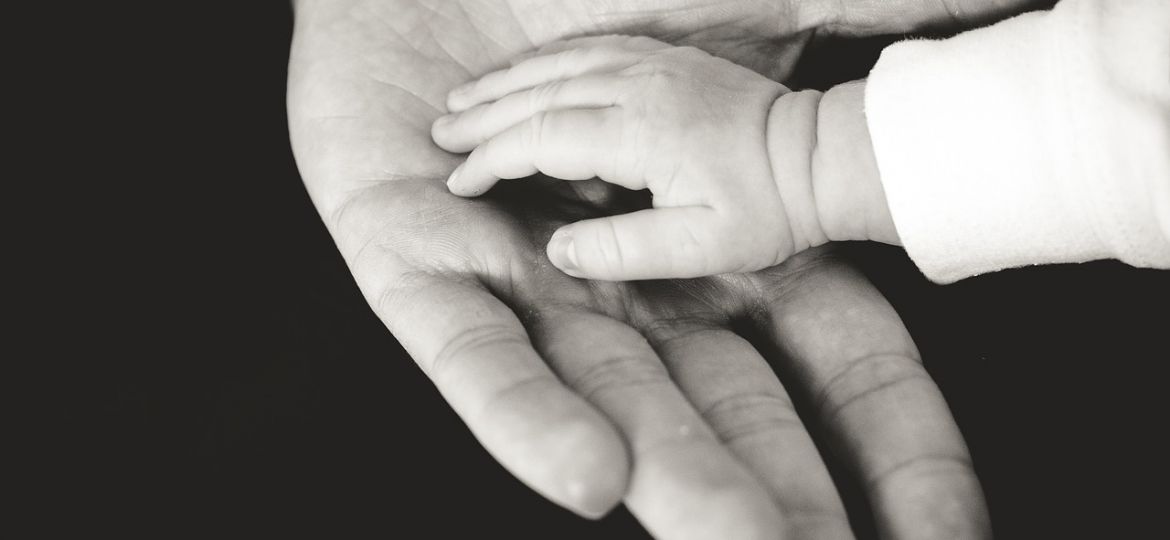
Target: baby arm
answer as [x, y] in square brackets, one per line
[743, 173]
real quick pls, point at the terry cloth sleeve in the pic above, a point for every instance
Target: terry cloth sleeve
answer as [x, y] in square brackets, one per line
[1042, 139]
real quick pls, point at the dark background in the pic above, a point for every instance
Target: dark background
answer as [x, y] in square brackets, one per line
[253, 393]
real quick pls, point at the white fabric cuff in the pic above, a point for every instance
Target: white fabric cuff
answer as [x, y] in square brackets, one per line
[1009, 146]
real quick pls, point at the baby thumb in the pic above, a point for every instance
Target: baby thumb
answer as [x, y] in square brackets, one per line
[658, 243]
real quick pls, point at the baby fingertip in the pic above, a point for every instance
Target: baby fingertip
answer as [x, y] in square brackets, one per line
[442, 121]
[440, 129]
[458, 98]
[562, 252]
[453, 180]
[464, 185]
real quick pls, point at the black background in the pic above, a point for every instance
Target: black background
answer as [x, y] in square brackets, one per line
[253, 393]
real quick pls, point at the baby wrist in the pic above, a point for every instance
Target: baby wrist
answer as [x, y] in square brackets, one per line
[850, 201]
[824, 167]
[790, 139]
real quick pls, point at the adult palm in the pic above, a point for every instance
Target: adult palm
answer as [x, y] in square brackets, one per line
[590, 392]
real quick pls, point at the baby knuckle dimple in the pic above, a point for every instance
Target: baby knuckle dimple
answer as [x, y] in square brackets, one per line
[565, 61]
[651, 69]
[543, 95]
[534, 130]
[661, 71]
[610, 256]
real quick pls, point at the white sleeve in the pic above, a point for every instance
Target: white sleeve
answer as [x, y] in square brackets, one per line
[1042, 139]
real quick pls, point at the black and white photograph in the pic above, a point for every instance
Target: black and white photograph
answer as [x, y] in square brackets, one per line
[577, 269]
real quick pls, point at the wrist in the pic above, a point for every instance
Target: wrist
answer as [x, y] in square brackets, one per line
[846, 185]
[790, 139]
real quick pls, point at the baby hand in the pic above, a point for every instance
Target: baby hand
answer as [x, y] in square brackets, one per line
[641, 114]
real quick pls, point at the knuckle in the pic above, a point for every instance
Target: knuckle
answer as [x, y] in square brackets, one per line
[739, 416]
[461, 346]
[566, 61]
[921, 469]
[499, 398]
[658, 74]
[534, 130]
[869, 376]
[543, 95]
[681, 330]
[609, 243]
[618, 372]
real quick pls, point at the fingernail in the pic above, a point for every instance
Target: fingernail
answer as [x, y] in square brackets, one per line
[453, 180]
[455, 99]
[562, 252]
[442, 121]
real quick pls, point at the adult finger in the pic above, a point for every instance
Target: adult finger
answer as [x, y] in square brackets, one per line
[659, 243]
[878, 17]
[538, 70]
[462, 132]
[684, 483]
[883, 413]
[573, 144]
[739, 396]
[478, 355]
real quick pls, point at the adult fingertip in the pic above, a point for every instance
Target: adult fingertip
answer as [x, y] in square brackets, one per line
[596, 496]
[711, 508]
[594, 472]
[940, 499]
[563, 449]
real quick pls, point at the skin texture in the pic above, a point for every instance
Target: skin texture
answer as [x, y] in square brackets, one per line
[594, 392]
[743, 173]
[635, 112]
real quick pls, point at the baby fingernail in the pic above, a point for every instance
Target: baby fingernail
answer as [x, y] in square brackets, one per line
[562, 251]
[453, 180]
[456, 98]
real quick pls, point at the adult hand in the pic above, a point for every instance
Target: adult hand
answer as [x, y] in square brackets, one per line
[765, 35]
[567, 382]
